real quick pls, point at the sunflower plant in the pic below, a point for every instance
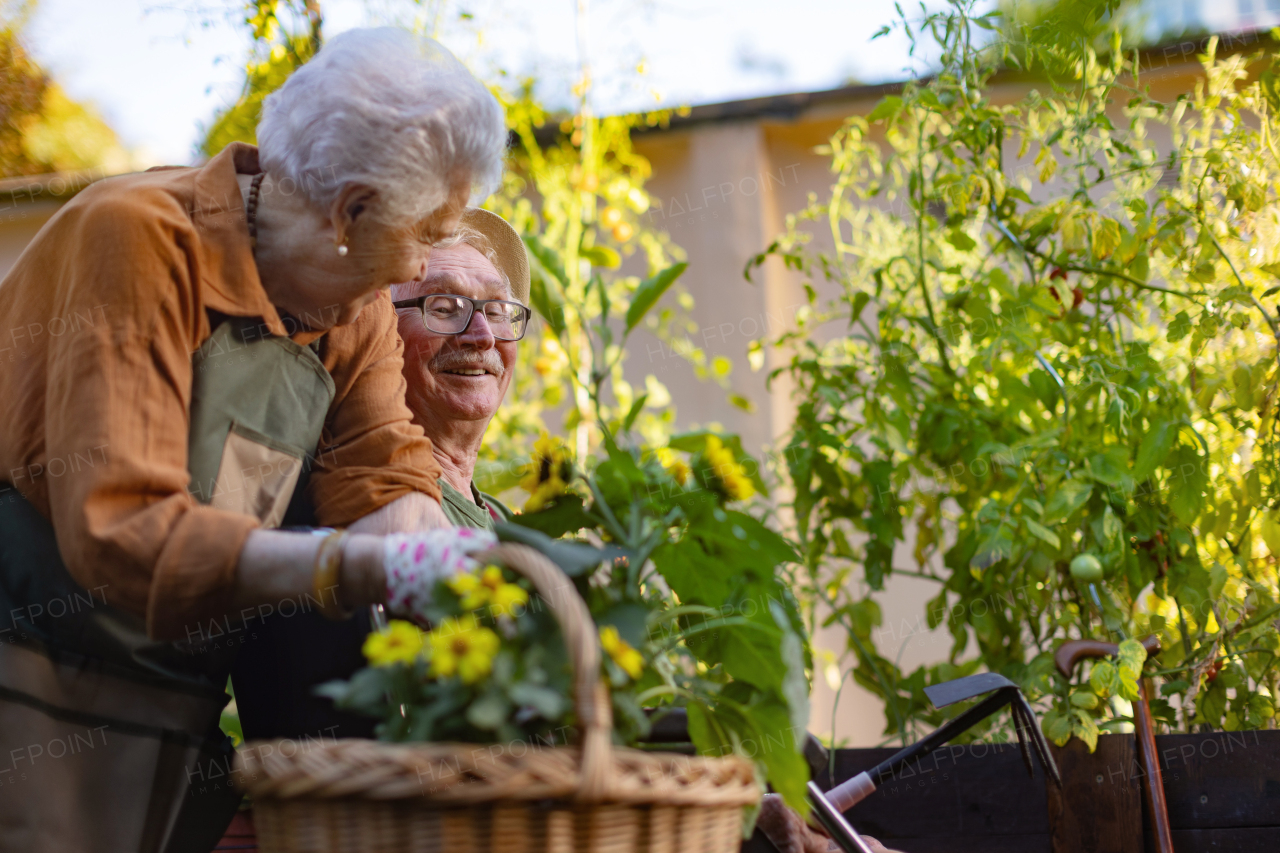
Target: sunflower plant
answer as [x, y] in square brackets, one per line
[687, 588]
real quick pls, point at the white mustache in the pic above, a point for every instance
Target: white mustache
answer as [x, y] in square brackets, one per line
[464, 359]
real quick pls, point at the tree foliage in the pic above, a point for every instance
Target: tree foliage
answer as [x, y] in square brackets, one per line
[284, 34]
[42, 130]
[1052, 334]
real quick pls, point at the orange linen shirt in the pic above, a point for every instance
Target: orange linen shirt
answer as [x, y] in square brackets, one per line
[99, 319]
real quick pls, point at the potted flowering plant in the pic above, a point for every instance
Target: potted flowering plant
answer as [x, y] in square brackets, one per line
[684, 588]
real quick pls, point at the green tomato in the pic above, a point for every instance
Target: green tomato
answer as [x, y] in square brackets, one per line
[1085, 567]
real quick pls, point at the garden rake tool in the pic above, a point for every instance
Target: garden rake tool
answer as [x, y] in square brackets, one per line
[1066, 658]
[1003, 692]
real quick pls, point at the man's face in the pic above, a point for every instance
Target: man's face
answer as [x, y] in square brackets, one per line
[455, 377]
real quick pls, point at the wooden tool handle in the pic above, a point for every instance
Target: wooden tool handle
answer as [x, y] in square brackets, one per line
[1071, 652]
[1153, 790]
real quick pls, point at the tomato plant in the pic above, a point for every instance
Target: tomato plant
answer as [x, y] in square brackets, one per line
[1042, 351]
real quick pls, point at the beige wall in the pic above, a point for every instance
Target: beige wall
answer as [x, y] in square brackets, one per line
[19, 222]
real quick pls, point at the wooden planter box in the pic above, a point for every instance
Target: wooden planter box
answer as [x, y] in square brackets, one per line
[1223, 791]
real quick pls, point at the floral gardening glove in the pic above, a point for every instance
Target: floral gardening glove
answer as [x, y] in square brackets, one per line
[415, 562]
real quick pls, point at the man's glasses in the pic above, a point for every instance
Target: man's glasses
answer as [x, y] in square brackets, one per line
[447, 314]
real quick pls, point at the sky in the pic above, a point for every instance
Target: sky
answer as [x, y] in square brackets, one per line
[158, 71]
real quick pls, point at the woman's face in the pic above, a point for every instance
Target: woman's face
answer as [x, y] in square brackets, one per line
[331, 289]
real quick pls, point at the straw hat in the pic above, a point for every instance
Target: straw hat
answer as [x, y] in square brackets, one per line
[506, 244]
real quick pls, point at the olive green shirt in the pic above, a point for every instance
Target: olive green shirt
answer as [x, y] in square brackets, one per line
[477, 510]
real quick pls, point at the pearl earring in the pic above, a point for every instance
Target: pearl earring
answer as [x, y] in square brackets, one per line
[342, 250]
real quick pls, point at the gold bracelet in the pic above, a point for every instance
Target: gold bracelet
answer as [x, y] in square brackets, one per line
[324, 581]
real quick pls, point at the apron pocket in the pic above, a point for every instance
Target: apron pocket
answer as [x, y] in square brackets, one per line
[257, 475]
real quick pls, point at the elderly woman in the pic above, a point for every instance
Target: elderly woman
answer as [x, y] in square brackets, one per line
[245, 373]
[461, 325]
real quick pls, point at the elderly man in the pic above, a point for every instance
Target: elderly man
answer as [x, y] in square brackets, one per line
[461, 324]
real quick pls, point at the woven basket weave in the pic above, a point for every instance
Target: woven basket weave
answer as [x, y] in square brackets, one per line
[363, 796]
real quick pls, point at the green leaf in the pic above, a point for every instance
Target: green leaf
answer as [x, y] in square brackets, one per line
[563, 515]
[1084, 699]
[960, 239]
[547, 702]
[547, 284]
[601, 256]
[1066, 499]
[649, 291]
[573, 558]
[1084, 727]
[1132, 656]
[788, 772]
[857, 303]
[1056, 727]
[887, 108]
[997, 546]
[1104, 678]
[795, 686]
[489, 711]
[1042, 533]
[1179, 328]
[1154, 449]
[636, 406]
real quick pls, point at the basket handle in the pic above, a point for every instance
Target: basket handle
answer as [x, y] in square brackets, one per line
[590, 696]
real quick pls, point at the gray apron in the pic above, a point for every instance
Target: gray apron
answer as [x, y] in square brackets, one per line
[109, 741]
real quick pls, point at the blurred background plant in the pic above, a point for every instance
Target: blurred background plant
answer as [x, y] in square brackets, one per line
[41, 129]
[1042, 357]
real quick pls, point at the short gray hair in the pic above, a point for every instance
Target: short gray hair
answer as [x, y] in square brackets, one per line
[387, 109]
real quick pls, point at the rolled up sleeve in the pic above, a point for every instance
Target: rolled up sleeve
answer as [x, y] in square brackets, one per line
[371, 452]
[118, 393]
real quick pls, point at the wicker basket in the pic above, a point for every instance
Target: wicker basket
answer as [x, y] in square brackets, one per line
[362, 796]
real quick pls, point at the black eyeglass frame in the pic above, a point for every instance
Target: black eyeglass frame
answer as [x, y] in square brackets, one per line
[419, 301]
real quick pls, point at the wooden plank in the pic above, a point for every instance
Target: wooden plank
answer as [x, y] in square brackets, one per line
[973, 791]
[1222, 779]
[1251, 840]
[1099, 808]
[973, 844]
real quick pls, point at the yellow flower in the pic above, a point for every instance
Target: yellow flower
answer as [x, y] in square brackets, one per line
[463, 647]
[548, 474]
[675, 466]
[503, 596]
[737, 485]
[488, 588]
[623, 654]
[399, 642]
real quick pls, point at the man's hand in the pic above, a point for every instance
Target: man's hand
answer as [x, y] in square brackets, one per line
[790, 834]
[409, 514]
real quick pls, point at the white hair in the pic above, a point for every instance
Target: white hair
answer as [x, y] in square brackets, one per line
[389, 110]
[478, 241]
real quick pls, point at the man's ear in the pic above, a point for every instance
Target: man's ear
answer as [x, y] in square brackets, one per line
[354, 202]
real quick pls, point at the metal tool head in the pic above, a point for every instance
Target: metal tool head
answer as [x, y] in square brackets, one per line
[951, 692]
[1031, 740]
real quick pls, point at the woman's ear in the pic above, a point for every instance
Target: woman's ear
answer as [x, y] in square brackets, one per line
[353, 202]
